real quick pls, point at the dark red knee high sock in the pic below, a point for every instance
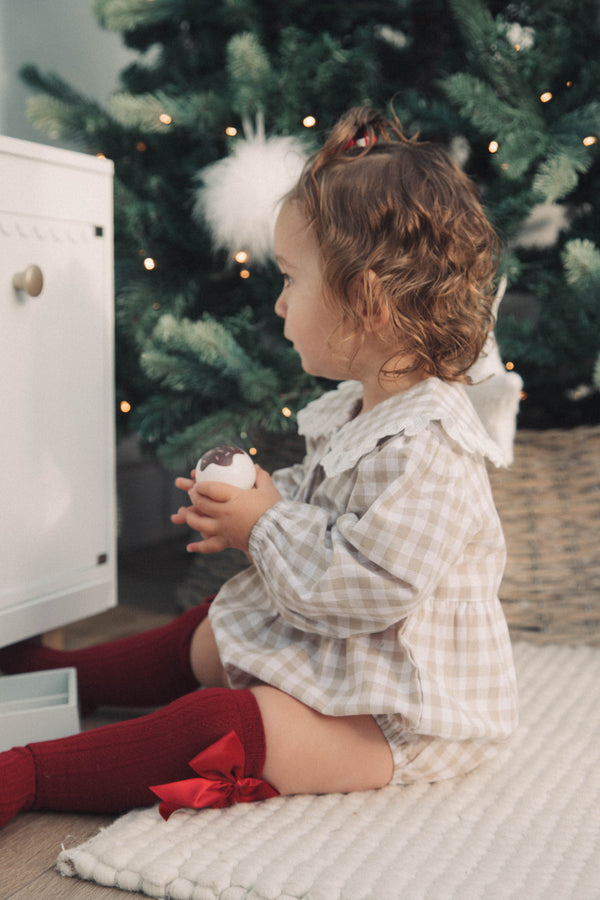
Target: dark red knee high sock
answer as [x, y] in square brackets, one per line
[147, 669]
[111, 769]
[17, 783]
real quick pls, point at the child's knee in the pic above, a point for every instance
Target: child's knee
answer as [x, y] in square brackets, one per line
[307, 752]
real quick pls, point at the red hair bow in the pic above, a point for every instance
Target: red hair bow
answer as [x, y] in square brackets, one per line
[221, 782]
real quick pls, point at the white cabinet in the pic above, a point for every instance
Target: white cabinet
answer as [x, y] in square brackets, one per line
[57, 466]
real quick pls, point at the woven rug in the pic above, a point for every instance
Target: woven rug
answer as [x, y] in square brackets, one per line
[526, 825]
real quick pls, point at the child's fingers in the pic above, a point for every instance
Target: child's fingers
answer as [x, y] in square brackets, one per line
[184, 484]
[203, 506]
[216, 490]
[208, 545]
[187, 515]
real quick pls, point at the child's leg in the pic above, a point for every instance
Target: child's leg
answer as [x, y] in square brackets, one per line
[147, 669]
[205, 660]
[111, 769]
[308, 753]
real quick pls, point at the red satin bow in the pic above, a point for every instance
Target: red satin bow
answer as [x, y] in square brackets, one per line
[221, 782]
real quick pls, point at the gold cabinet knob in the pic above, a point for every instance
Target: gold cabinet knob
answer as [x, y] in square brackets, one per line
[31, 281]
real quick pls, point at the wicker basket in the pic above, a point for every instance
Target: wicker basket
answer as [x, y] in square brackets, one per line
[549, 503]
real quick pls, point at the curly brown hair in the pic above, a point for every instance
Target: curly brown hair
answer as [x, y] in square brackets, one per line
[400, 208]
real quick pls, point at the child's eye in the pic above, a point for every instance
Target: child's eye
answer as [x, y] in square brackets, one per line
[287, 279]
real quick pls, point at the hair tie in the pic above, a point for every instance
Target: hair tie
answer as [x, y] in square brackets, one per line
[363, 141]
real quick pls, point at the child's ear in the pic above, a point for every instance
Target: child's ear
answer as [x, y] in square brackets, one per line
[375, 313]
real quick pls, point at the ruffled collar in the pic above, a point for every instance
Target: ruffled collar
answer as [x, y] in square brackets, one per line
[409, 413]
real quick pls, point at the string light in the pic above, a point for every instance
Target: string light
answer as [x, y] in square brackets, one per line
[165, 118]
[244, 273]
[493, 146]
[510, 366]
[100, 156]
[231, 131]
[286, 411]
[125, 406]
[149, 263]
[156, 306]
[546, 97]
[241, 256]
[590, 140]
[252, 451]
[141, 147]
[309, 121]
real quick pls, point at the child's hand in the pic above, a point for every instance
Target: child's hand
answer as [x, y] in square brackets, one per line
[224, 515]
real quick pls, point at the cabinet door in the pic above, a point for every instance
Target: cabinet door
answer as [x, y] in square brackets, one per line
[56, 482]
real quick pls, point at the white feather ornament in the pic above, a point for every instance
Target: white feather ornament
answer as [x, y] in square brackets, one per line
[240, 195]
[495, 393]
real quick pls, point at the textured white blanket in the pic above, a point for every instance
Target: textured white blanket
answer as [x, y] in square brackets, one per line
[526, 825]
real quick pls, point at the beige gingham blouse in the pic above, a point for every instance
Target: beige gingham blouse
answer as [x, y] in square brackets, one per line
[374, 584]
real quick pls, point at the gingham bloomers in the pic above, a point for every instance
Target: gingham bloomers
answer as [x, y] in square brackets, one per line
[374, 584]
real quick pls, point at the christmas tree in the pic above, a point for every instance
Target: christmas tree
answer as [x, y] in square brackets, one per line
[531, 89]
[511, 89]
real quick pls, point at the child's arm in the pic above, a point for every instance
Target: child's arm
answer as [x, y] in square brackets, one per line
[391, 548]
[224, 515]
[288, 480]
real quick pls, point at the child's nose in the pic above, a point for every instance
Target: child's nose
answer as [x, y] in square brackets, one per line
[280, 307]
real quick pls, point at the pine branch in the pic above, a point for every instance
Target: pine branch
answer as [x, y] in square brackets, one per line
[183, 448]
[230, 425]
[127, 15]
[480, 103]
[580, 122]
[62, 112]
[559, 174]
[183, 354]
[487, 44]
[58, 119]
[162, 111]
[249, 73]
[581, 260]
[51, 84]
[160, 416]
[476, 24]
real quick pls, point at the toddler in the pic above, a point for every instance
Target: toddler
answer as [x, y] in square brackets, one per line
[365, 643]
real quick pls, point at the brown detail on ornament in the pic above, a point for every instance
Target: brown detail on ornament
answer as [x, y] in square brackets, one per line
[222, 455]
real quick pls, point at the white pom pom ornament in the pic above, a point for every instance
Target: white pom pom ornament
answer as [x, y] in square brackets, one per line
[227, 464]
[241, 194]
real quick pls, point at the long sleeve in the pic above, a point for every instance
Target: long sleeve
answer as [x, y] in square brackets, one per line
[288, 480]
[367, 568]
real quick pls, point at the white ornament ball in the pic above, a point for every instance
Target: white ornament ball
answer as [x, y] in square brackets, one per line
[227, 464]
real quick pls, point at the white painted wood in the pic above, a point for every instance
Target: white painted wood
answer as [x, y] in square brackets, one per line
[57, 460]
